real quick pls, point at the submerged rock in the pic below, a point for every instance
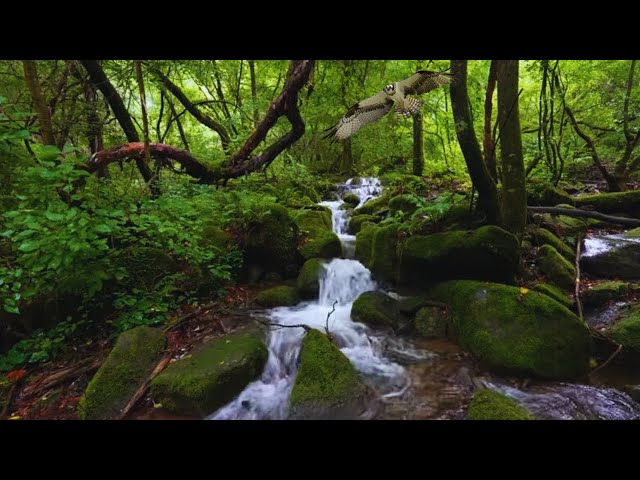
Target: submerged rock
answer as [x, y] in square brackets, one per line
[308, 282]
[212, 375]
[555, 267]
[517, 331]
[431, 322]
[131, 361]
[488, 404]
[376, 309]
[327, 385]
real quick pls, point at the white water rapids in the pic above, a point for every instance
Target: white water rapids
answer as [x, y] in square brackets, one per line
[342, 280]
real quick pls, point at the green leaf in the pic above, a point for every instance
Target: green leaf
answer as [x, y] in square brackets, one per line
[11, 309]
[46, 153]
[54, 217]
[29, 246]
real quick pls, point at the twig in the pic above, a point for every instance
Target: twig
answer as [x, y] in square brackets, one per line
[578, 302]
[62, 375]
[307, 328]
[575, 212]
[326, 326]
[5, 409]
[190, 316]
[136, 396]
[608, 360]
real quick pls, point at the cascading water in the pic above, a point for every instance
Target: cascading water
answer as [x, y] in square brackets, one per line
[343, 280]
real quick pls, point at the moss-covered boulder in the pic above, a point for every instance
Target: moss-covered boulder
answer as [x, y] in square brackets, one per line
[128, 366]
[281, 296]
[311, 220]
[563, 225]
[620, 202]
[308, 283]
[604, 291]
[488, 253]
[555, 293]
[612, 257]
[364, 241]
[374, 206]
[376, 309]
[147, 265]
[626, 331]
[405, 203]
[270, 239]
[491, 405]
[431, 322]
[351, 199]
[212, 375]
[522, 332]
[555, 267]
[356, 221]
[383, 261]
[542, 236]
[552, 196]
[319, 241]
[327, 385]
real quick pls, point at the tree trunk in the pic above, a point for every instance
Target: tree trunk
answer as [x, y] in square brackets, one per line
[153, 182]
[418, 145]
[489, 147]
[102, 83]
[480, 176]
[40, 106]
[514, 195]
[94, 125]
[254, 92]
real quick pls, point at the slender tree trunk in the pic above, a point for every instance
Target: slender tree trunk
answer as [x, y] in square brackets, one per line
[175, 116]
[480, 176]
[514, 195]
[489, 147]
[39, 104]
[418, 145]
[254, 92]
[153, 182]
[94, 125]
[102, 83]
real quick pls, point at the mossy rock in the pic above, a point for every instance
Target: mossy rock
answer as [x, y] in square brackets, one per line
[308, 283]
[271, 239]
[619, 258]
[564, 225]
[488, 253]
[383, 262]
[553, 196]
[526, 333]
[604, 291]
[542, 236]
[327, 385]
[404, 203]
[129, 364]
[364, 241]
[351, 199]
[322, 245]
[491, 405]
[376, 309]
[555, 267]
[212, 375]
[555, 293]
[626, 331]
[147, 265]
[620, 202]
[356, 221]
[431, 322]
[281, 296]
[215, 236]
[373, 206]
[410, 305]
[312, 220]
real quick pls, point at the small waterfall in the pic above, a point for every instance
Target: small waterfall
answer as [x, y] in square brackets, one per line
[343, 280]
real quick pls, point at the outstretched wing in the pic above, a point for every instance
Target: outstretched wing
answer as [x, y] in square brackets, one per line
[361, 114]
[423, 82]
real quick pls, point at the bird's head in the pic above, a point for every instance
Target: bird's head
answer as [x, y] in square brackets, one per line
[390, 89]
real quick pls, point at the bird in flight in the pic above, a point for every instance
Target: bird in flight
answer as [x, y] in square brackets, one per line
[373, 108]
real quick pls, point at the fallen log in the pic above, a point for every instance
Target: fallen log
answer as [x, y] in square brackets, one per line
[574, 212]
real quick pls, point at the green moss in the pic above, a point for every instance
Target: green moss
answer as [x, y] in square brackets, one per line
[322, 245]
[311, 221]
[213, 235]
[542, 236]
[563, 224]
[491, 405]
[552, 196]
[364, 241]
[327, 385]
[376, 309]
[384, 259]
[431, 322]
[555, 293]
[351, 199]
[404, 203]
[355, 223]
[308, 282]
[621, 202]
[526, 333]
[605, 291]
[555, 267]
[486, 253]
[410, 305]
[271, 239]
[131, 361]
[627, 330]
[212, 375]
[147, 265]
[278, 297]
[373, 206]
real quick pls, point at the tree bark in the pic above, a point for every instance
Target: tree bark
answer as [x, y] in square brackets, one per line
[480, 176]
[102, 83]
[489, 147]
[418, 145]
[254, 91]
[575, 212]
[39, 104]
[514, 195]
[153, 181]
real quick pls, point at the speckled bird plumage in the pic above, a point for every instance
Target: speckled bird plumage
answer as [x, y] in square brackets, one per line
[373, 108]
